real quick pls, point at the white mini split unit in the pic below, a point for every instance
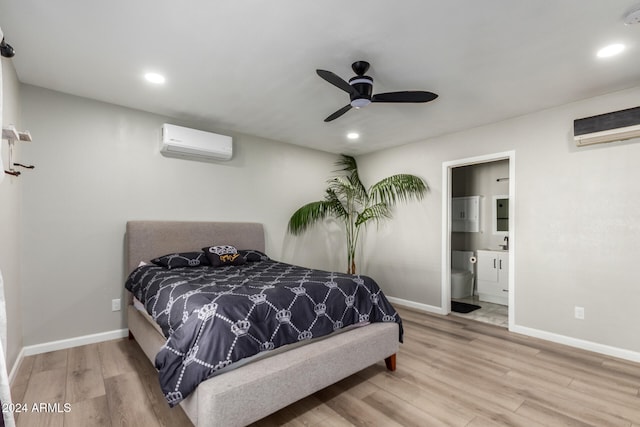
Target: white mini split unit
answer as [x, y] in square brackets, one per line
[616, 126]
[194, 144]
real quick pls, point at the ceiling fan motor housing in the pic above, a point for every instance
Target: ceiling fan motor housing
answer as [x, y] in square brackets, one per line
[360, 90]
[364, 86]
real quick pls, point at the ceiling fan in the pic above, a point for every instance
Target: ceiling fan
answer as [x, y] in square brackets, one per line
[360, 89]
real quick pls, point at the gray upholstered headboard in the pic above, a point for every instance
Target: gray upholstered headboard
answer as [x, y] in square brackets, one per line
[149, 239]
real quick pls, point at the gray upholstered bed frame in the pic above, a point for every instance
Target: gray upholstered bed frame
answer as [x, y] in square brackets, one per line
[255, 390]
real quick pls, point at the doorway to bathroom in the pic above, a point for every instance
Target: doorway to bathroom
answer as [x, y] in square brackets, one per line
[478, 238]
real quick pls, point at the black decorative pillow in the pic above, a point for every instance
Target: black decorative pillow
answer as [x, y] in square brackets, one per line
[223, 255]
[253, 255]
[182, 259]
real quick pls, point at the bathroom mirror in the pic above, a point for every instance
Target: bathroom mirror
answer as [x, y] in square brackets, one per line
[501, 215]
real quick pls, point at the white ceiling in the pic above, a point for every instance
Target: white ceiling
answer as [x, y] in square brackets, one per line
[249, 65]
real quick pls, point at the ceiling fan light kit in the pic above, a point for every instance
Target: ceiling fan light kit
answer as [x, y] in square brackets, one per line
[360, 90]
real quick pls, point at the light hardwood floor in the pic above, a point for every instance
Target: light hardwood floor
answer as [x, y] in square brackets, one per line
[451, 372]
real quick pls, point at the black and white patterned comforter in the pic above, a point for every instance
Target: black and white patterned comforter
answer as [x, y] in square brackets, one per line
[213, 317]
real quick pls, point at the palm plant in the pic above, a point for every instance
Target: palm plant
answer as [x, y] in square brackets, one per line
[349, 201]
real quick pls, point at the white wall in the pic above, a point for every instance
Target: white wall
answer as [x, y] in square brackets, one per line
[10, 217]
[577, 222]
[98, 165]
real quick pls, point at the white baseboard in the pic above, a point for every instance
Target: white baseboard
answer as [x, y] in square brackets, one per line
[31, 350]
[416, 305]
[608, 350]
[74, 342]
[16, 366]
[578, 343]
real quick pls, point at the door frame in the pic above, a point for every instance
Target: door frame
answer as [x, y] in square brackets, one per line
[447, 168]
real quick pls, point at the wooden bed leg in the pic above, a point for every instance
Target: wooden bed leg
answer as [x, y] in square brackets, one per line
[391, 362]
[131, 336]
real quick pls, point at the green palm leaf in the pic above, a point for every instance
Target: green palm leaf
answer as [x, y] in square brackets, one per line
[402, 187]
[350, 166]
[376, 213]
[348, 194]
[309, 214]
[335, 205]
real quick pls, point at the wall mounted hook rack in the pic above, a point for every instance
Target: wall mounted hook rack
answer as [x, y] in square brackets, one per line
[11, 134]
[24, 166]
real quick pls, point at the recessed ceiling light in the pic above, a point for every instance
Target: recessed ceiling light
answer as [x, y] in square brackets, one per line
[611, 50]
[353, 135]
[155, 78]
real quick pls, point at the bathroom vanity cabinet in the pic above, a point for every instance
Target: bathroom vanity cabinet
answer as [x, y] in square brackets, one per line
[493, 276]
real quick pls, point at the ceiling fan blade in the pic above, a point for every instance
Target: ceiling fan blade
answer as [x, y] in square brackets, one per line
[338, 113]
[405, 96]
[337, 81]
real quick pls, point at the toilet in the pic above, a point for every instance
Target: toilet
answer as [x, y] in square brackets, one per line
[461, 274]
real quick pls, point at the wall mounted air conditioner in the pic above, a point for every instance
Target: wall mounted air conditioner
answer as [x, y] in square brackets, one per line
[195, 144]
[616, 126]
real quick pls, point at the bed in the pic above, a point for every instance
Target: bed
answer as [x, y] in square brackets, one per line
[254, 390]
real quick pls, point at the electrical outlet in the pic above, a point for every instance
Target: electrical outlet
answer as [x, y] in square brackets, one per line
[578, 312]
[115, 304]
